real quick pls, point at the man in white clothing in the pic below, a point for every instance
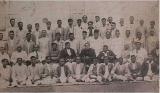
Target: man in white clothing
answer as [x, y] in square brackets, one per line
[19, 74]
[84, 23]
[117, 44]
[44, 43]
[78, 29]
[18, 54]
[96, 42]
[97, 23]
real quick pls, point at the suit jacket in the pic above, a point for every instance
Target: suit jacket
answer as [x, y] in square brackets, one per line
[110, 54]
[66, 70]
[145, 67]
[64, 54]
[102, 69]
[87, 52]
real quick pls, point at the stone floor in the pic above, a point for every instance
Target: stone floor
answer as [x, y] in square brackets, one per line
[113, 87]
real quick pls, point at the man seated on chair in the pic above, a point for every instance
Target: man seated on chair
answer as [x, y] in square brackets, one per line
[120, 70]
[106, 53]
[78, 70]
[93, 73]
[69, 55]
[105, 70]
[150, 69]
[5, 74]
[63, 72]
[19, 74]
[134, 69]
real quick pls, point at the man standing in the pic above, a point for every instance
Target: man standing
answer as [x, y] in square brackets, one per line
[131, 26]
[28, 43]
[36, 32]
[84, 23]
[103, 28]
[108, 40]
[97, 23]
[44, 43]
[70, 28]
[151, 41]
[96, 42]
[141, 28]
[83, 41]
[20, 33]
[3, 42]
[59, 41]
[60, 30]
[117, 44]
[12, 43]
[78, 29]
[122, 27]
[90, 29]
[73, 42]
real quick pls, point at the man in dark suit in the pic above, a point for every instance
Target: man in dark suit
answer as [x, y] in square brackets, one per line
[149, 70]
[87, 55]
[68, 53]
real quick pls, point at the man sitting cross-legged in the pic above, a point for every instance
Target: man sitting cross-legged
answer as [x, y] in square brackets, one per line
[63, 72]
[120, 70]
[78, 70]
[105, 70]
[93, 72]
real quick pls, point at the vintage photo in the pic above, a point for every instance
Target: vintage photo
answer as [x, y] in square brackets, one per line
[79, 46]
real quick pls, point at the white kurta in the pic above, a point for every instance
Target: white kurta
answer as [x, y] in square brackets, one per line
[96, 44]
[78, 32]
[117, 46]
[44, 45]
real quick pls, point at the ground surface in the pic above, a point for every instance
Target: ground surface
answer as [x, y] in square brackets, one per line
[113, 87]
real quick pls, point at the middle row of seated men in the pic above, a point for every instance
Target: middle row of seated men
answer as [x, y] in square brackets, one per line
[66, 67]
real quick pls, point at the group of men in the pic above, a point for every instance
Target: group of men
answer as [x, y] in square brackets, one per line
[100, 51]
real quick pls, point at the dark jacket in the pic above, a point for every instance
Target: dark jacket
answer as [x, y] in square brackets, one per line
[64, 54]
[90, 53]
[145, 67]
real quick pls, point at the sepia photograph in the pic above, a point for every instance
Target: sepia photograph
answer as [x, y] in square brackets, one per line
[79, 46]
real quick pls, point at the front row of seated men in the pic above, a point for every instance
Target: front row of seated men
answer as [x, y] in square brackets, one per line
[35, 72]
